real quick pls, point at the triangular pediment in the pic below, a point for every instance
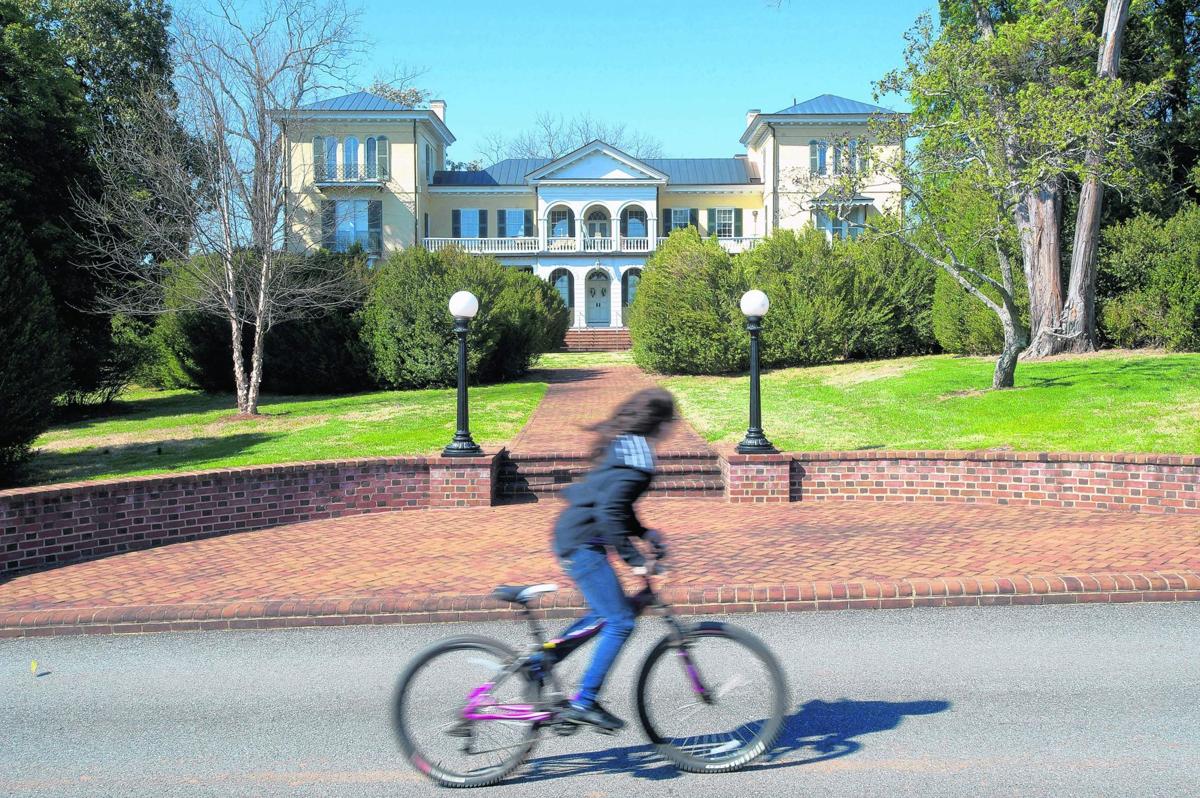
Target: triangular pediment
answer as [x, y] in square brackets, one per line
[596, 161]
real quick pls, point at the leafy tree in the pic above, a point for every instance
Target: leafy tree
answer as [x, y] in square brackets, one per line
[30, 366]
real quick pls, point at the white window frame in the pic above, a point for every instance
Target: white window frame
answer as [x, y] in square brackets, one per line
[560, 215]
[463, 215]
[722, 221]
[519, 226]
[677, 214]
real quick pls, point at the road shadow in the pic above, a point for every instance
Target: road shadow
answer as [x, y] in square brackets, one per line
[817, 732]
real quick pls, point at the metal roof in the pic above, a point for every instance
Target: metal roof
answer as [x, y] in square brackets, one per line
[358, 101]
[680, 171]
[832, 104]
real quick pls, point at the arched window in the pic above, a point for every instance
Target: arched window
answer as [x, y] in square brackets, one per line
[562, 222]
[376, 159]
[597, 224]
[564, 283]
[633, 223]
[369, 158]
[837, 158]
[629, 286]
[318, 157]
[817, 153]
[350, 158]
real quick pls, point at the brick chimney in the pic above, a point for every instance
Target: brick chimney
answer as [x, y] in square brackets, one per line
[439, 108]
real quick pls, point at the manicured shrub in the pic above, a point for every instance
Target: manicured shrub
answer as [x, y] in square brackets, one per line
[961, 323]
[685, 319]
[322, 353]
[408, 330]
[31, 369]
[1148, 282]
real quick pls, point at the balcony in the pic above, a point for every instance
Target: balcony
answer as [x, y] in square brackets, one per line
[348, 176]
[525, 245]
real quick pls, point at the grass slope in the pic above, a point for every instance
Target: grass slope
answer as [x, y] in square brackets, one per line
[148, 432]
[1113, 401]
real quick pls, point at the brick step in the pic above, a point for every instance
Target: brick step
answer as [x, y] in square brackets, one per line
[598, 339]
[533, 476]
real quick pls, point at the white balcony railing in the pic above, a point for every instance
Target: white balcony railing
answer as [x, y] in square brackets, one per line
[598, 244]
[519, 245]
[513, 245]
[349, 173]
[731, 245]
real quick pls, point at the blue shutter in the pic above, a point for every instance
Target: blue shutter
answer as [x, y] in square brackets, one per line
[813, 165]
[570, 223]
[737, 222]
[624, 223]
[666, 220]
[374, 226]
[456, 223]
[483, 224]
[528, 232]
[694, 217]
[501, 223]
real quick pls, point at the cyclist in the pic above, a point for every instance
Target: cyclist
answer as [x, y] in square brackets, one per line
[600, 516]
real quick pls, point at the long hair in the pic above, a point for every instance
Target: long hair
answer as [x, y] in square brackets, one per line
[641, 414]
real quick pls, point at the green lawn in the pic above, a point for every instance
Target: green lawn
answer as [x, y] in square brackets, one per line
[572, 360]
[1113, 401]
[147, 432]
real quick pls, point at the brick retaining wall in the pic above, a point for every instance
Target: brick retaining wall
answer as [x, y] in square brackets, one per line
[1145, 483]
[55, 524]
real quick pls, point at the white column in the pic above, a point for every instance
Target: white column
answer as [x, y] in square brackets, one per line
[616, 231]
[616, 318]
[652, 232]
[578, 230]
[542, 234]
[580, 280]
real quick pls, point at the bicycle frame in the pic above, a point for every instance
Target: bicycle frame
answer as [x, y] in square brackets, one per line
[480, 708]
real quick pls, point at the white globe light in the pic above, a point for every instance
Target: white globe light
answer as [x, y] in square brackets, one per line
[464, 305]
[755, 303]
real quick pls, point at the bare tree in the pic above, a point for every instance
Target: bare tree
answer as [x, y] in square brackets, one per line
[554, 136]
[400, 85]
[194, 195]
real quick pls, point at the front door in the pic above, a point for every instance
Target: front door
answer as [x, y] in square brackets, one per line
[597, 292]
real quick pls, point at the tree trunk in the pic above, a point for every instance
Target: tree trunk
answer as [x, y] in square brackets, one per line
[1039, 218]
[1079, 313]
[256, 370]
[1015, 340]
[239, 363]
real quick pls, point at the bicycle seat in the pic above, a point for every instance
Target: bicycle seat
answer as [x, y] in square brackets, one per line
[522, 594]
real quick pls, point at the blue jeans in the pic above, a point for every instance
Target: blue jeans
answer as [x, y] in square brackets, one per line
[588, 566]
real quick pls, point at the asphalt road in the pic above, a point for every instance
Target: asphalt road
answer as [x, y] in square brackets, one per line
[1045, 701]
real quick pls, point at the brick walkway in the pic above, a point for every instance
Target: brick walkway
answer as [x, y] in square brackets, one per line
[579, 398]
[439, 564]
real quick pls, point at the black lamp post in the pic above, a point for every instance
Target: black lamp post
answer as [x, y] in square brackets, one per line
[463, 306]
[754, 306]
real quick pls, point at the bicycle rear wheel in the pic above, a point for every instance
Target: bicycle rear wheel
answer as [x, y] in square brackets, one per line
[737, 716]
[428, 712]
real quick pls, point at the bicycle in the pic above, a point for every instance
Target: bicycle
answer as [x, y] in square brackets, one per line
[496, 724]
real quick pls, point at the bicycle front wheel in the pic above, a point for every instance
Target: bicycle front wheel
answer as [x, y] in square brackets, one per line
[715, 703]
[432, 711]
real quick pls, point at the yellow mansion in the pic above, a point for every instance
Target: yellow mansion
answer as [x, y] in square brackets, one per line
[364, 169]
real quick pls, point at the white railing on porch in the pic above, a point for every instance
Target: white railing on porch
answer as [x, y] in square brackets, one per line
[732, 245]
[513, 245]
[597, 244]
[635, 244]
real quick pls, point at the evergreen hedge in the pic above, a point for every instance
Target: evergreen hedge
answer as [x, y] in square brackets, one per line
[31, 370]
[408, 329]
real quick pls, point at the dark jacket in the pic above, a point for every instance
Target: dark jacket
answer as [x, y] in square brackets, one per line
[601, 505]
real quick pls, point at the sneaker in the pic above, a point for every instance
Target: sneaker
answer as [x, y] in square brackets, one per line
[594, 715]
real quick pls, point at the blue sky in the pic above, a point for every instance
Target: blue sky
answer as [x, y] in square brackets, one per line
[682, 72]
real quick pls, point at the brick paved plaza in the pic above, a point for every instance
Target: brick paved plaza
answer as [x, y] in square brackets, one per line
[423, 565]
